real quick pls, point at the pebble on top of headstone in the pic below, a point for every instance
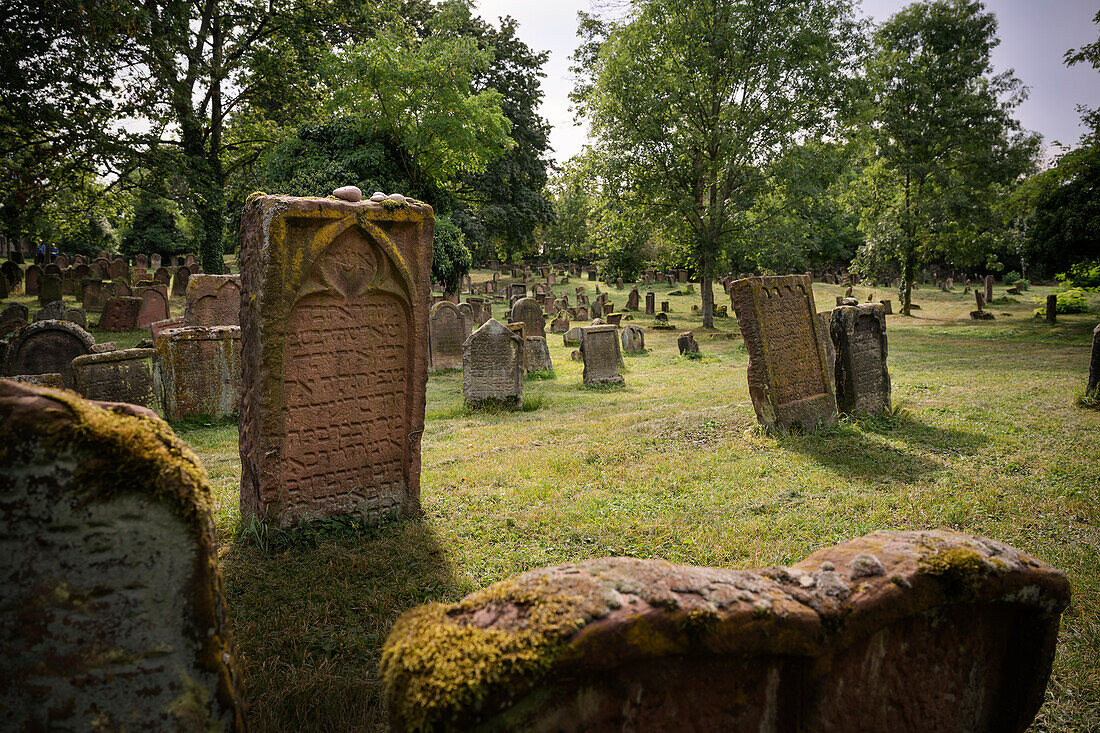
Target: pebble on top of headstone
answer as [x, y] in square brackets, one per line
[115, 616]
[349, 193]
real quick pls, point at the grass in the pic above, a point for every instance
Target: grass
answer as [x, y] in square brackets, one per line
[985, 437]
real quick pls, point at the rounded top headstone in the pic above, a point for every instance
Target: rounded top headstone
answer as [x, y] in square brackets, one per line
[349, 193]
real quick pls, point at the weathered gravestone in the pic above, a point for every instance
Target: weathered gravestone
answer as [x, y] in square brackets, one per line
[155, 260]
[120, 289]
[179, 281]
[786, 374]
[94, 296]
[650, 303]
[14, 311]
[50, 289]
[632, 299]
[154, 305]
[120, 314]
[686, 343]
[119, 269]
[1052, 308]
[13, 274]
[33, 282]
[53, 381]
[492, 366]
[101, 268]
[469, 317]
[633, 339]
[197, 371]
[600, 348]
[116, 376]
[1092, 389]
[895, 631]
[537, 354]
[162, 276]
[529, 312]
[560, 324]
[113, 616]
[862, 379]
[213, 300]
[988, 289]
[58, 311]
[62, 261]
[573, 336]
[446, 333]
[141, 260]
[48, 347]
[336, 355]
[159, 327]
[52, 270]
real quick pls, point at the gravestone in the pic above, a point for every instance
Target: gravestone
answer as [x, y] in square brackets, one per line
[114, 616]
[469, 318]
[633, 339]
[1092, 388]
[213, 300]
[527, 311]
[600, 347]
[53, 381]
[13, 274]
[94, 295]
[889, 306]
[686, 343]
[49, 290]
[862, 379]
[1052, 308]
[179, 281]
[154, 305]
[58, 311]
[573, 336]
[52, 270]
[33, 282]
[650, 303]
[336, 356]
[682, 275]
[786, 374]
[14, 311]
[116, 376]
[120, 289]
[537, 354]
[824, 320]
[560, 324]
[141, 260]
[632, 299]
[162, 276]
[155, 260]
[446, 333]
[120, 314]
[48, 347]
[62, 261]
[189, 260]
[988, 289]
[895, 631]
[197, 371]
[159, 327]
[665, 307]
[119, 269]
[101, 268]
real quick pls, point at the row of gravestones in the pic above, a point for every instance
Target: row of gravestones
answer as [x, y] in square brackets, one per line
[334, 375]
[51, 283]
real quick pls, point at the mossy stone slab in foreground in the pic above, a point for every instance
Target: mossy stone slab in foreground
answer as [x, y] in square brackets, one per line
[112, 617]
[895, 631]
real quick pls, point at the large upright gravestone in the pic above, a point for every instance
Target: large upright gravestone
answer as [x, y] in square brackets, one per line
[895, 631]
[334, 327]
[197, 371]
[529, 312]
[492, 366]
[213, 300]
[602, 357]
[862, 379]
[787, 380]
[48, 347]
[446, 332]
[124, 375]
[113, 615]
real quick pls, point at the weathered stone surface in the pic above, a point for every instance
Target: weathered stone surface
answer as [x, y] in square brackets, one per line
[633, 339]
[895, 631]
[122, 375]
[529, 312]
[113, 615]
[58, 311]
[787, 380]
[155, 260]
[33, 280]
[180, 279]
[13, 274]
[119, 269]
[537, 354]
[93, 295]
[650, 303]
[162, 276]
[49, 289]
[492, 366]
[632, 299]
[154, 305]
[213, 300]
[119, 289]
[446, 333]
[336, 356]
[862, 379]
[573, 336]
[560, 324]
[14, 311]
[159, 327]
[988, 289]
[1092, 388]
[197, 371]
[686, 343]
[1052, 308]
[120, 314]
[47, 347]
[600, 348]
[53, 380]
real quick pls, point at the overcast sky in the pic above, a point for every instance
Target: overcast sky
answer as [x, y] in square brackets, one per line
[1035, 34]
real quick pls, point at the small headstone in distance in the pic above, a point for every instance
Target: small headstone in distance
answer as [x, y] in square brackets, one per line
[687, 344]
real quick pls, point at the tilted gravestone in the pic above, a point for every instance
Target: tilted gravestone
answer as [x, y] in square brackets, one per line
[213, 300]
[894, 631]
[48, 347]
[529, 312]
[686, 343]
[58, 311]
[49, 290]
[124, 375]
[633, 339]
[197, 371]
[862, 379]
[120, 314]
[114, 615]
[600, 348]
[336, 355]
[492, 366]
[154, 305]
[446, 333]
[786, 374]
[1092, 389]
[632, 299]
[537, 354]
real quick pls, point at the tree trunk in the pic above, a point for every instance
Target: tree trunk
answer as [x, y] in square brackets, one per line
[212, 213]
[706, 288]
[907, 282]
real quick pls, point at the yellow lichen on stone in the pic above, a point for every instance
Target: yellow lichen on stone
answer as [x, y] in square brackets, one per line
[961, 568]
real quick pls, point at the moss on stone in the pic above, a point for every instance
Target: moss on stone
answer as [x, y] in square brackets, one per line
[961, 569]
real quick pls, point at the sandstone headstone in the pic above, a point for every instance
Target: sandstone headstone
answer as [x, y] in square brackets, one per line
[895, 631]
[13, 274]
[120, 289]
[682, 275]
[53, 381]
[988, 288]
[162, 276]
[197, 371]
[572, 337]
[114, 615]
[446, 334]
[686, 343]
[122, 375]
[889, 306]
[58, 311]
[14, 311]
[528, 311]
[336, 356]
[154, 305]
[33, 281]
[94, 296]
[560, 324]
[537, 354]
[62, 261]
[155, 261]
[141, 260]
[213, 300]
[633, 339]
[664, 306]
[120, 314]
[179, 281]
[1092, 389]
[632, 299]
[862, 379]
[50, 289]
[119, 269]
[786, 373]
[1052, 308]
[52, 270]
[159, 327]
[47, 347]
[600, 347]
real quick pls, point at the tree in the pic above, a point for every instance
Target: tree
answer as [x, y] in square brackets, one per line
[945, 142]
[154, 229]
[690, 100]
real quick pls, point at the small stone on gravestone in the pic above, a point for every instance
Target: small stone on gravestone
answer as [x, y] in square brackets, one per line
[862, 379]
[119, 558]
[600, 347]
[122, 375]
[492, 366]
[349, 193]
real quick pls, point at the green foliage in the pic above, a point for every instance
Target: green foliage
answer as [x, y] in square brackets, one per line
[618, 241]
[154, 228]
[1071, 300]
[1084, 275]
[451, 259]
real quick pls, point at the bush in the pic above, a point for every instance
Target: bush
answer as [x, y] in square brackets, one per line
[155, 228]
[450, 258]
[1082, 275]
[1072, 300]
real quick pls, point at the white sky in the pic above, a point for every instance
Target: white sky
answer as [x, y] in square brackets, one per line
[1035, 34]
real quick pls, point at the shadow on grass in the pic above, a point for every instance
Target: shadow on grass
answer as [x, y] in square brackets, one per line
[902, 426]
[311, 609]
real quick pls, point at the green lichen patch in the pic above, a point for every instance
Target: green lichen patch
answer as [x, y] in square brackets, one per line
[961, 569]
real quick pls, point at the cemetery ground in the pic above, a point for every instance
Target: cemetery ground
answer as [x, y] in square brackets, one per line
[984, 438]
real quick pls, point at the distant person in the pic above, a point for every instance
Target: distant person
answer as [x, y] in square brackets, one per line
[40, 255]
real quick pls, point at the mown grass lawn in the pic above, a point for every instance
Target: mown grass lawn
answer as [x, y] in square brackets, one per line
[985, 439]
